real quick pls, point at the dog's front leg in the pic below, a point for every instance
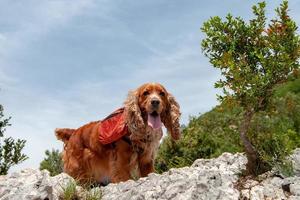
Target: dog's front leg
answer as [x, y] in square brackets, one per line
[146, 168]
[146, 165]
[121, 162]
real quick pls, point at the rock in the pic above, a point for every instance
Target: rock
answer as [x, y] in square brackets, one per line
[32, 184]
[272, 187]
[295, 158]
[293, 185]
[205, 179]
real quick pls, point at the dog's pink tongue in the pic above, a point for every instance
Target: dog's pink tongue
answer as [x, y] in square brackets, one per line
[154, 122]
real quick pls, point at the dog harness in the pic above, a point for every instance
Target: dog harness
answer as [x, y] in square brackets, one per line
[113, 127]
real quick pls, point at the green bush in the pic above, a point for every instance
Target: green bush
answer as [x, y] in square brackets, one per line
[206, 136]
[215, 132]
[10, 149]
[278, 130]
[253, 57]
[53, 162]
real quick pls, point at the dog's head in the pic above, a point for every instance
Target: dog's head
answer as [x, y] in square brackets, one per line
[151, 105]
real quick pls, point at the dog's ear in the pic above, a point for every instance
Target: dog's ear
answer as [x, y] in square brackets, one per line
[133, 115]
[171, 116]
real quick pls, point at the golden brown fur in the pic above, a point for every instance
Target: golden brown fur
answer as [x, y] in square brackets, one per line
[86, 159]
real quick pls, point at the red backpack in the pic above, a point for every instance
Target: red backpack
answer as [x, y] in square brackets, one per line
[113, 127]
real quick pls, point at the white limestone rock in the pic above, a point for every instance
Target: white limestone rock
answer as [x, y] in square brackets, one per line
[205, 179]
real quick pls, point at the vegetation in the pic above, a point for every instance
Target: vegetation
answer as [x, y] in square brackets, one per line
[260, 109]
[253, 59]
[205, 136]
[70, 192]
[93, 194]
[53, 162]
[10, 150]
[216, 131]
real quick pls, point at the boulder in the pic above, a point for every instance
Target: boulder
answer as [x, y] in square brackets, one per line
[206, 179]
[32, 184]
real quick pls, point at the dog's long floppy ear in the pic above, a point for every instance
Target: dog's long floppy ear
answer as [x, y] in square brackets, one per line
[171, 116]
[133, 115]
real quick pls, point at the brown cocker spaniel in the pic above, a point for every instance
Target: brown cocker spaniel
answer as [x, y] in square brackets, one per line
[130, 152]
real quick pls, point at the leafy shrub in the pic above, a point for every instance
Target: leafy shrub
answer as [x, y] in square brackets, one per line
[206, 136]
[253, 58]
[215, 132]
[53, 162]
[276, 133]
[10, 149]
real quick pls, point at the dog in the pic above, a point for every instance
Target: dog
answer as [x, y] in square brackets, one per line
[95, 153]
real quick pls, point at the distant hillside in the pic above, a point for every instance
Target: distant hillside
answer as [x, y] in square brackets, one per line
[215, 132]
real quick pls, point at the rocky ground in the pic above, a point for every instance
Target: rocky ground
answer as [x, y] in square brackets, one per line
[205, 179]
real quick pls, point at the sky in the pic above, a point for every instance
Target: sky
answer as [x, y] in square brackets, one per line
[65, 63]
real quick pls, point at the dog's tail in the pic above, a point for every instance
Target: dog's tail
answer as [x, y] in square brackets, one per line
[64, 134]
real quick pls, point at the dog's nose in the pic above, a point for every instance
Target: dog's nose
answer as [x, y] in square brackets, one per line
[155, 102]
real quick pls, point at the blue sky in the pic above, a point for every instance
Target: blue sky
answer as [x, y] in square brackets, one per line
[64, 63]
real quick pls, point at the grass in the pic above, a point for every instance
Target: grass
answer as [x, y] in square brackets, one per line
[286, 168]
[69, 192]
[134, 174]
[93, 194]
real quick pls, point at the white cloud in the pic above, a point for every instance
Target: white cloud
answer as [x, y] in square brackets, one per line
[36, 115]
[39, 18]
[6, 81]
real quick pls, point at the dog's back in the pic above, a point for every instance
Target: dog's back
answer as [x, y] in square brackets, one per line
[86, 159]
[64, 134]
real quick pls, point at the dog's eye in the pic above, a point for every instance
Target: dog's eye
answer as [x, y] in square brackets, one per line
[146, 93]
[162, 94]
